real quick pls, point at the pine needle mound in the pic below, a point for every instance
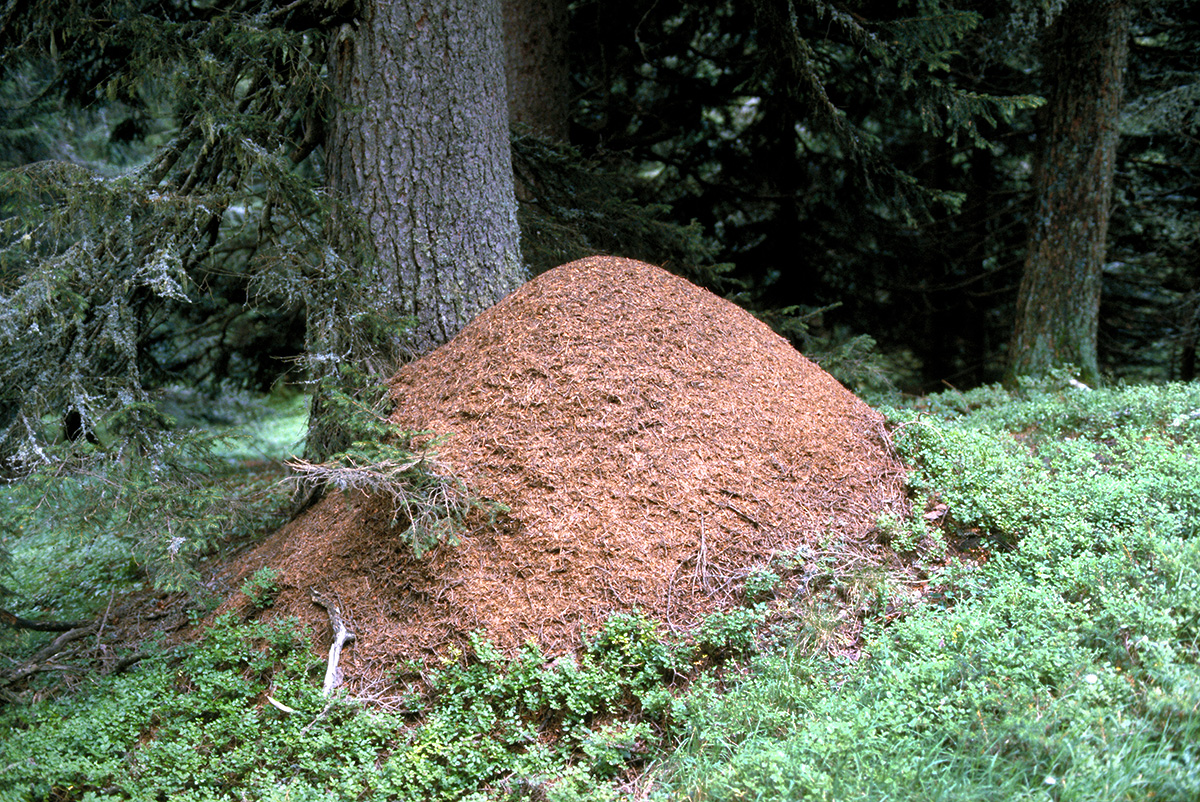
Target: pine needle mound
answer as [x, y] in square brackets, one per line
[653, 443]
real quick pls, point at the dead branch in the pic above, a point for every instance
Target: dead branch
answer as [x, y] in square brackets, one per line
[341, 636]
[40, 661]
[16, 622]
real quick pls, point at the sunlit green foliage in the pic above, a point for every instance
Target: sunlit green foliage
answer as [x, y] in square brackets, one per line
[102, 520]
[193, 724]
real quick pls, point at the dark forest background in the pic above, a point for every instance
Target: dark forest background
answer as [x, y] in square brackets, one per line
[849, 212]
[688, 105]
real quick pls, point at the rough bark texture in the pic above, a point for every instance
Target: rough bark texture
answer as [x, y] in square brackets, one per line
[419, 147]
[1058, 304]
[535, 66]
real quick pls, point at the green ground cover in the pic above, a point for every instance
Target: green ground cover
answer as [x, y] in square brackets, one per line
[1064, 666]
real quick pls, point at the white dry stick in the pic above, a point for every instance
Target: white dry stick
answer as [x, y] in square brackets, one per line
[341, 636]
[280, 705]
[702, 560]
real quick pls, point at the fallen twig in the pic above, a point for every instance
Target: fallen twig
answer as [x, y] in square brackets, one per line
[341, 636]
[280, 705]
[40, 660]
[702, 559]
[126, 662]
[750, 519]
[16, 622]
[55, 646]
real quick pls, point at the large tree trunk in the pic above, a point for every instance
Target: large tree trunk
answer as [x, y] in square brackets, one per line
[419, 147]
[418, 158]
[1058, 305]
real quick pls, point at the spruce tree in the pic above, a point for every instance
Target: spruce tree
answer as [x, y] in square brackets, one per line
[1085, 48]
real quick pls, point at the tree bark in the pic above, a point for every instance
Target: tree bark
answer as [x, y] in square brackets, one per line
[1058, 305]
[419, 148]
[424, 225]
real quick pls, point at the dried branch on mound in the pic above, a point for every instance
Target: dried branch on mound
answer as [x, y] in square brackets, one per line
[387, 477]
[420, 492]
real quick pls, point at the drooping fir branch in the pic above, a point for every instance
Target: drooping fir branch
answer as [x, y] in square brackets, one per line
[574, 207]
[121, 276]
[101, 264]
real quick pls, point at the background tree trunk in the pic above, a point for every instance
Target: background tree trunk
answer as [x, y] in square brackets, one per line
[419, 148]
[535, 66]
[1086, 50]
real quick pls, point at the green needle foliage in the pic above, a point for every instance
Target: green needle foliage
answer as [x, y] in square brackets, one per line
[196, 256]
[94, 518]
[917, 52]
[108, 269]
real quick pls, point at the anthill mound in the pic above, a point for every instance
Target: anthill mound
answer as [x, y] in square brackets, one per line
[652, 441]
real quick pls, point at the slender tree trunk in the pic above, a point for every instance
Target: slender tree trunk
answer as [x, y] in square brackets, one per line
[417, 157]
[535, 66]
[1058, 305]
[419, 148]
[1191, 334]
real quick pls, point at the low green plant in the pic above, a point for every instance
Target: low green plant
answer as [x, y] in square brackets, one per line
[193, 724]
[262, 587]
[761, 584]
[241, 714]
[1066, 667]
[630, 644]
[730, 634]
[513, 726]
[614, 746]
[898, 533]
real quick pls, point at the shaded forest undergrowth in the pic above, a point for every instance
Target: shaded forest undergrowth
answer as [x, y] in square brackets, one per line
[1041, 642]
